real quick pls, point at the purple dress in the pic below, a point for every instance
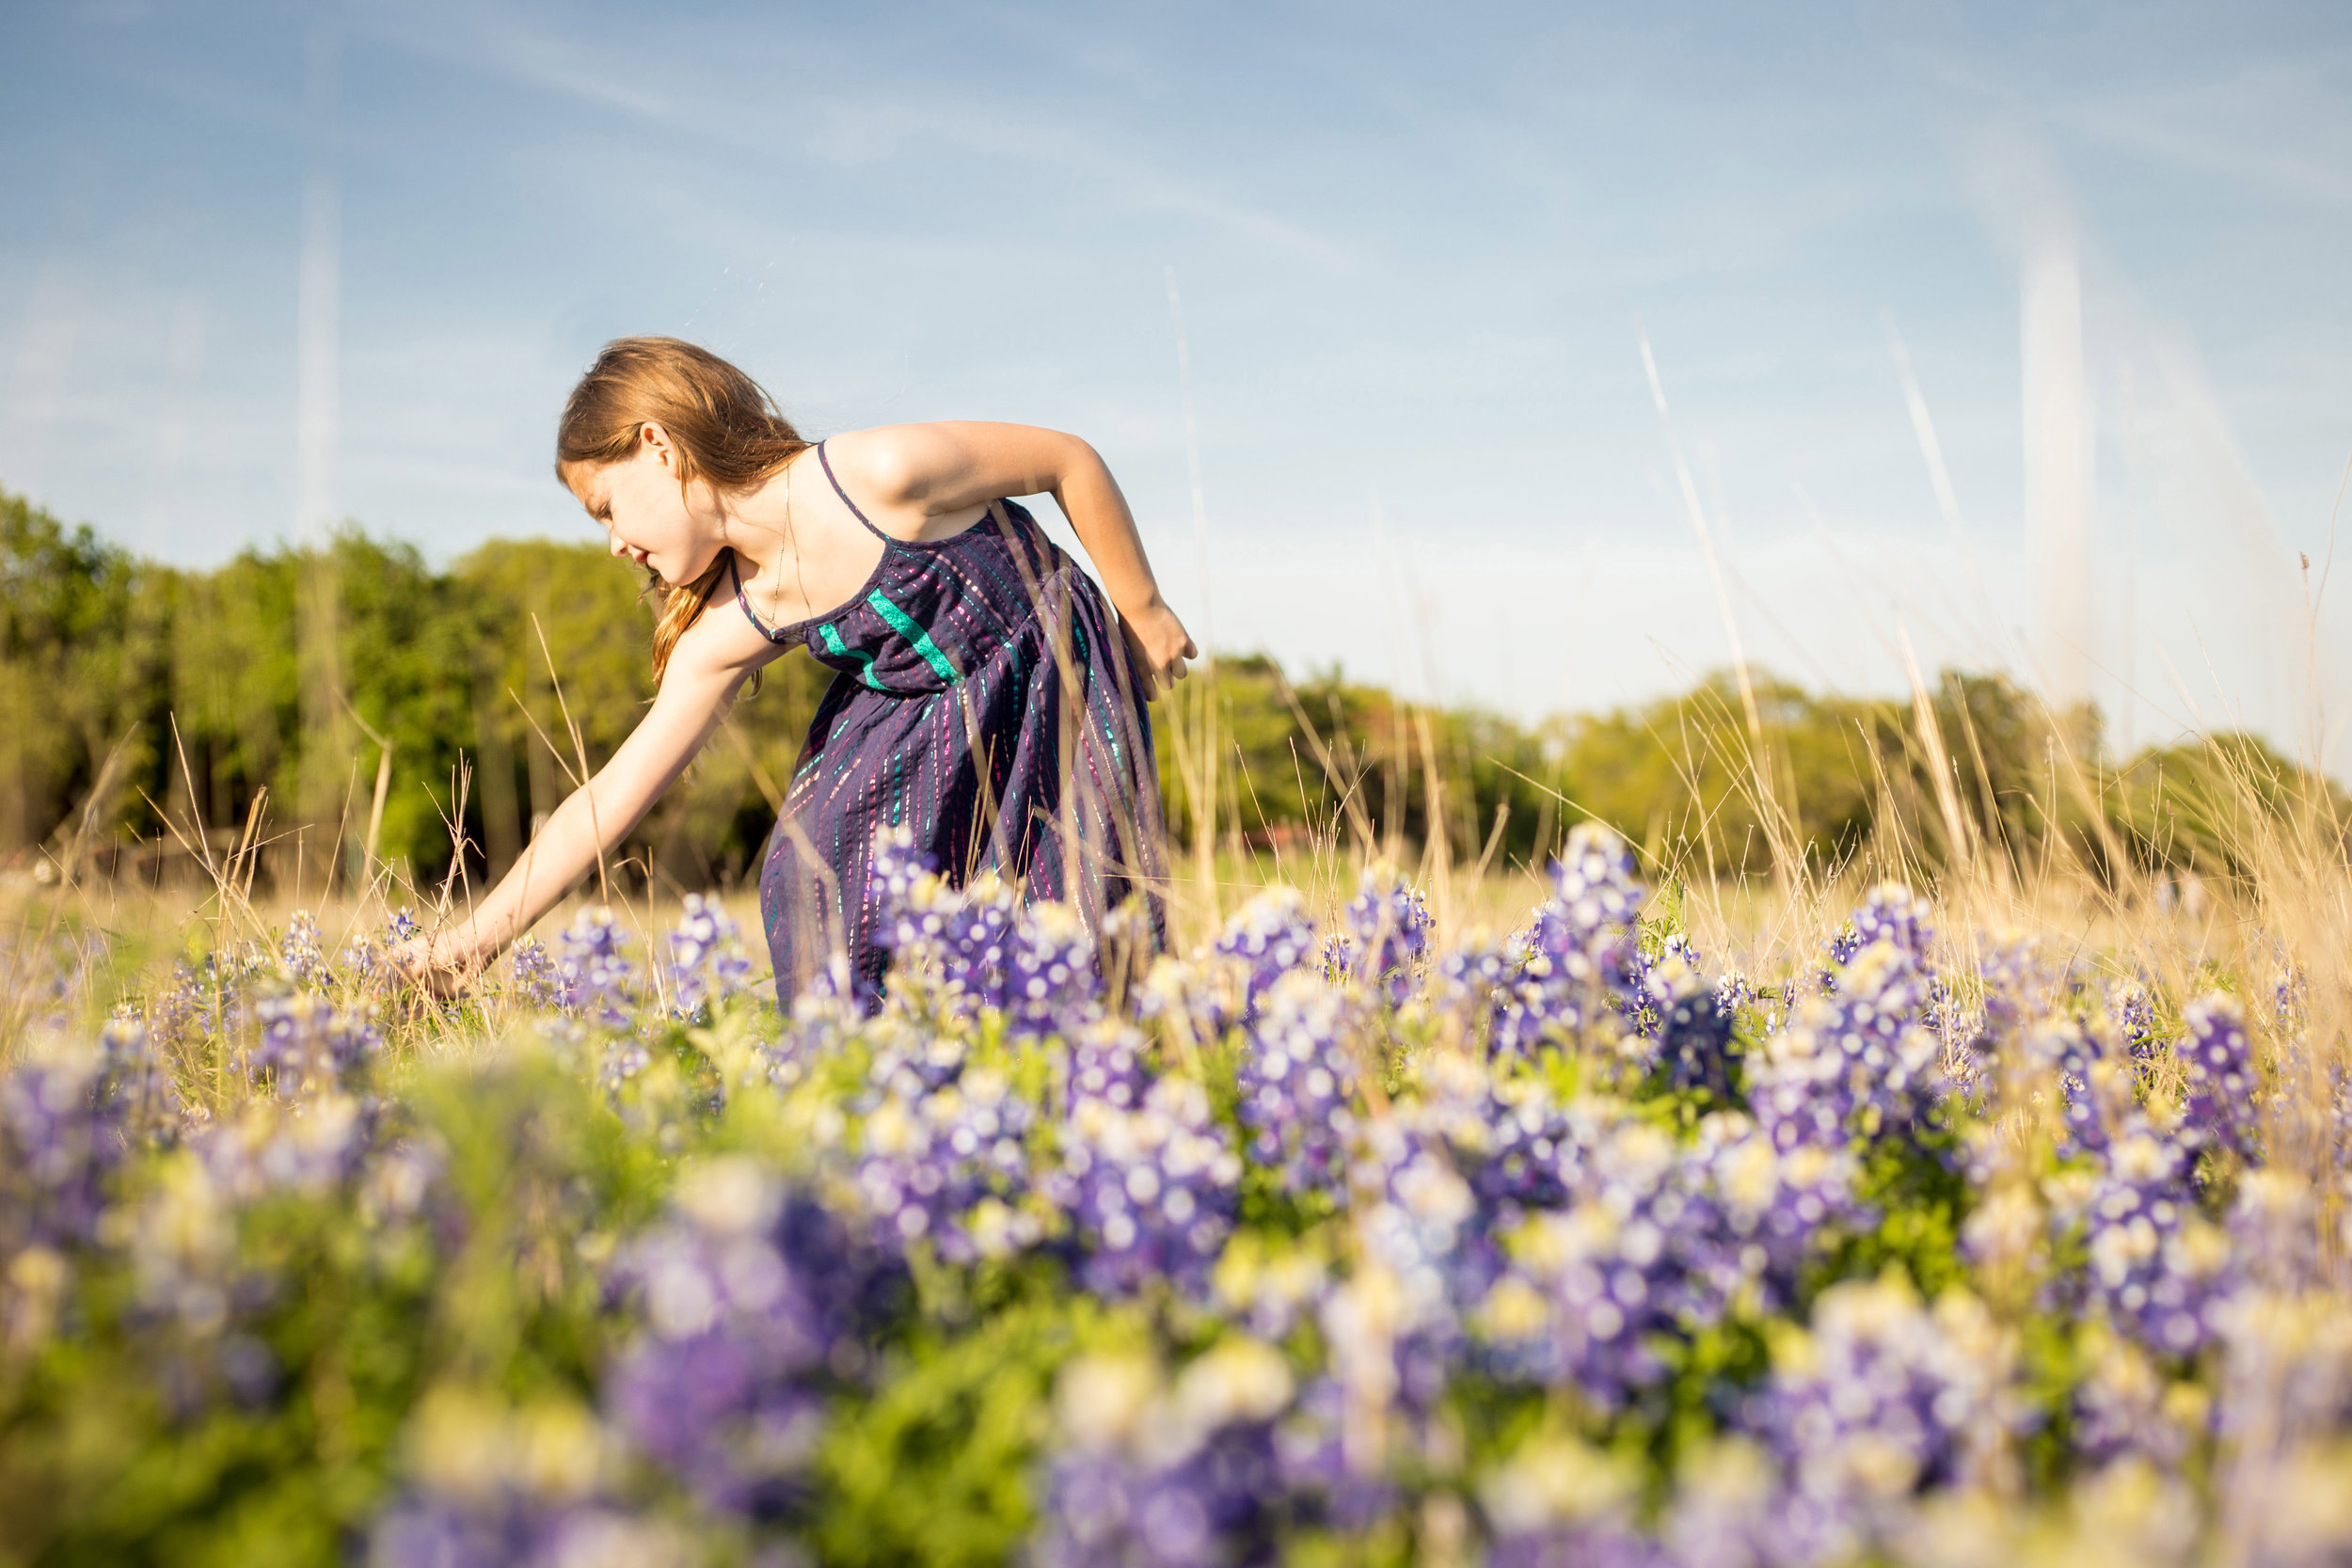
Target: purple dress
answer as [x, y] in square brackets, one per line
[982, 699]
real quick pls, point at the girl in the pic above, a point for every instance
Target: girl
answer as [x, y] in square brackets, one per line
[981, 698]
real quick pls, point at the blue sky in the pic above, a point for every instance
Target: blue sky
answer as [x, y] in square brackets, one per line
[1417, 248]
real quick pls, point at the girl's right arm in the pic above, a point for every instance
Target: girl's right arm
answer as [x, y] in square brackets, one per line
[708, 668]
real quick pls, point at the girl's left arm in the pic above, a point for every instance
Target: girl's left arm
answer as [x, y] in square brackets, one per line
[922, 471]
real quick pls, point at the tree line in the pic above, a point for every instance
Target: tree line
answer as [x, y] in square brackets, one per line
[326, 714]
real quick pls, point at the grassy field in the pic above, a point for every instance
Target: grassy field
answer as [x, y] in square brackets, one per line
[1416, 1207]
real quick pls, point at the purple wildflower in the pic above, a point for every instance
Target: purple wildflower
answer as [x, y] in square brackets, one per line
[1296, 1081]
[707, 959]
[1053, 983]
[308, 1045]
[1151, 1191]
[2219, 1063]
[755, 1302]
[1581, 952]
[1271, 937]
[1182, 1477]
[1853, 1064]
[1391, 924]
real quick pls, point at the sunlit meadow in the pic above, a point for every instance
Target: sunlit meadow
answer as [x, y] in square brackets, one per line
[1992, 1219]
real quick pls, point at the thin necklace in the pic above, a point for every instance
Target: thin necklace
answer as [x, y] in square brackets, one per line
[784, 541]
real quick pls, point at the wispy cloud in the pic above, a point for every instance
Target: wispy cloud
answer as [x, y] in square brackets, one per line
[2284, 129]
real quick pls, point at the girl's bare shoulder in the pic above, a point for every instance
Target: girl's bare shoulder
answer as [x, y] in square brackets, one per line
[889, 464]
[948, 466]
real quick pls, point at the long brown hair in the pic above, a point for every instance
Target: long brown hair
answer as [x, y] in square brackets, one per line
[728, 432]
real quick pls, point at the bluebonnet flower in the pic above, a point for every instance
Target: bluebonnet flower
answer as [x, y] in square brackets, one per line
[1661, 1241]
[59, 1144]
[1183, 1476]
[308, 1045]
[1296, 1082]
[2290, 991]
[2275, 1232]
[1107, 1063]
[946, 1163]
[1589, 1287]
[1391, 924]
[1582, 953]
[756, 1302]
[1512, 1140]
[402, 926]
[2094, 1080]
[2126, 1406]
[1271, 936]
[594, 980]
[960, 938]
[2155, 1266]
[310, 1145]
[2019, 986]
[1757, 1215]
[1891, 913]
[896, 868]
[1853, 1064]
[176, 1011]
[823, 1015]
[1735, 992]
[132, 1085]
[1053, 983]
[706, 955]
[1201, 997]
[1416, 1219]
[1691, 1027]
[305, 961]
[2218, 1062]
[1395, 1328]
[1882, 1398]
[1150, 1192]
[537, 982]
[1466, 988]
[983, 947]
[208, 999]
[1333, 964]
[2134, 1009]
[2282, 1404]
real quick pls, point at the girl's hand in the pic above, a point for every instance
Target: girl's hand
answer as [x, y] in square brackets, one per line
[433, 965]
[1160, 645]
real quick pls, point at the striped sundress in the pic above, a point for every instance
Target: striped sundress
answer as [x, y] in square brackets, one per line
[984, 700]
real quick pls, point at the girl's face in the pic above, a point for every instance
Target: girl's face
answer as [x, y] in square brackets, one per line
[650, 520]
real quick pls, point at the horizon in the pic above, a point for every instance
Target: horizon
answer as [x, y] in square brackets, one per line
[1298, 673]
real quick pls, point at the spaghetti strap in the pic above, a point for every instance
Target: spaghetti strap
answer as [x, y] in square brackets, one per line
[827, 463]
[773, 634]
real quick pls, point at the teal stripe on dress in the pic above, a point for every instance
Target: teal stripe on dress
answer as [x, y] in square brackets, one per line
[866, 660]
[904, 625]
